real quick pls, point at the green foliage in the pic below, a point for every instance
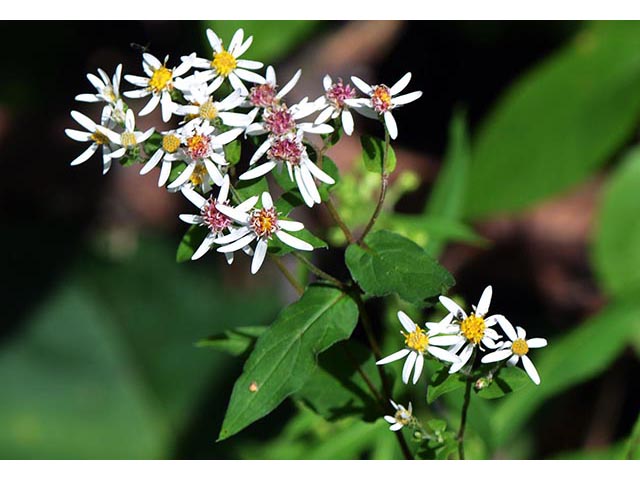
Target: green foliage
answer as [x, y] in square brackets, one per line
[237, 342]
[507, 380]
[330, 168]
[578, 356]
[245, 189]
[441, 382]
[272, 39]
[233, 152]
[285, 355]
[373, 150]
[559, 122]
[152, 144]
[391, 263]
[190, 242]
[105, 367]
[616, 252]
[632, 447]
[337, 389]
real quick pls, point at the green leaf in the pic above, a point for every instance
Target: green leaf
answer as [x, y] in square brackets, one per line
[190, 242]
[237, 342]
[441, 382]
[233, 152]
[249, 188]
[559, 122]
[632, 447]
[578, 356]
[288, 201]
[331, 169]
[394, 264]
[447, 198]
[336, 389]
[373, 154]
[272, 39]
[285, 355]
[507, 380]
[616, 255]
[152, 144]
[176, 169]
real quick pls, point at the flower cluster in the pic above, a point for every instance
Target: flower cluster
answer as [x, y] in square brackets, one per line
[209, 104]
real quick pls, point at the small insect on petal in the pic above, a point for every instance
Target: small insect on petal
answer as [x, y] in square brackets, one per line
[253, 387]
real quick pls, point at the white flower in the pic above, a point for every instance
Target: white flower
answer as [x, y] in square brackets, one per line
[94, 136]
[203, 106]
[418, 343]
[259, 224]
[108, 90]
[516, 349]
[473, 329]
[158, 84]
[402, 417]
[227, 63]
[127, 139]
[289, 150]
[333, 103]
[209, 217]
[203, 152]
[382, 100]
[267, 94]
[167, 154]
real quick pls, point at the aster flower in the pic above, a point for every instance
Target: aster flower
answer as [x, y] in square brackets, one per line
[333, 103]
[209, 217]
[267, 94]
[93, 135]
[227, 63]
[474, 330]
[259, 224]
[289, 150]
[203, 152]
[382, 100]
[279, 119]
[129, 138]
[167, 154]
[108, 90]
[203, 106]
[418, 343]
[402, 417]
[159, 83]
[516, 348]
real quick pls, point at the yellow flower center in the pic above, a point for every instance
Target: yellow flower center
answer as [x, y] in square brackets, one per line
[109, 94]
[403, 416]
[161, 79]
[520, 347]
[198, 176]
[208, 111]
[224, 63]
[473, 328]
[264, 222]
[170, 143]
[99, 138]
[128, 139]
[417, 340]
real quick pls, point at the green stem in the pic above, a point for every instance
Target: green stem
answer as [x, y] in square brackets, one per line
[384, 182]
[288, 275]
[465, 409]
[318, 271]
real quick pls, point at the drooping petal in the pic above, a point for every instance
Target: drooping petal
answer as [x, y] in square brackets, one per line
[233, 213]
[418, 368]
[77, 135]
[290, 225]
[258, 171]
[324, 115]
[86, 155]
[290, 84]
[293, 241]
[531, 370]
[194, 197]
[443, 354]
[444, 340]
[258, 256]
[394, 356]
[363, 86]
[506, 326]
[237, 245]
[190, 218]
[152, 162]
[347, 122]
[318, 173]
[464, 358]
[396, 427]
[391, 125]
[184, 176]
[497, 356]
[204, 247]
[408, 366]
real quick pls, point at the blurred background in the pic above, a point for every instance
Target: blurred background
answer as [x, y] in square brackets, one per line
[99, 323]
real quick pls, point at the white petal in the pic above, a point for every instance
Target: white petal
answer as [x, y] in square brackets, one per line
[497, 356]
[397, 426]
[324, 115]
[249, 64]
[453, 307]
[327, 82]
[464, 358]
[363, 87]
[152, 162]
[418, 368]
[506, 326]
[444, 340]
[236, 40]
[258, 171]
[400, 84]
[190, 219]
[224, 189]
[214, 40]
[521, 332]
[183, 177]
[310, 184]
[485, 302]
[408, 324]
[244, 47]
[390, 122]
[531, 370]
[443, 354]
[321, 129]
[390, 419]
[234, 119]
[233, 213]
[293, 241]
[213, 171]
[150, 106]
[194, 197]
[394, 356]
[249, 76]
[233, 236]
[347, 122]
[77, 135]
[267, 201]
[87, 97]
[237, 245]
[290, 225]
[404, 99]
[248, 204]
[289, 85]
[86, 155]
[258, 256]
[204, 247]
[536, 343]
[152, 61]
[260, 151]
[83, 120]
[318, 173]
[306, 196]
[408, 366]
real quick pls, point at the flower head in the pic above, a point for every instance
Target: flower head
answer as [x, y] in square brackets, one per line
[93, 135]
[418, 342]
[402, 417]
[107, 90]
[334, 103]
[516, 349]
[382, 100]
[127, 139]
